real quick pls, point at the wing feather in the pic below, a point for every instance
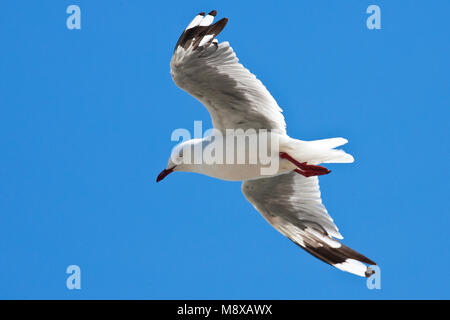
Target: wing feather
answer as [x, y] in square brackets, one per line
[211, 72]
[291, 203]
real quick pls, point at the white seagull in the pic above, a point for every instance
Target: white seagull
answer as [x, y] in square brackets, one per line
[289, 199]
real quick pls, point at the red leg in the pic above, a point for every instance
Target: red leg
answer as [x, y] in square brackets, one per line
[307, 170]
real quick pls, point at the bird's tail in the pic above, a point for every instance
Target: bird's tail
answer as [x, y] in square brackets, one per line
[319, 151]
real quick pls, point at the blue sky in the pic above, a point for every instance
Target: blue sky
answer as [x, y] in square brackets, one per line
[85, 123]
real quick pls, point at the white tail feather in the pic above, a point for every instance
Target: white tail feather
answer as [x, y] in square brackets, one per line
[339, 156]
[330, 143]
[319, 151]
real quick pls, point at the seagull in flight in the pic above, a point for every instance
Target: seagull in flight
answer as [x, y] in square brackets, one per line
[289, 199]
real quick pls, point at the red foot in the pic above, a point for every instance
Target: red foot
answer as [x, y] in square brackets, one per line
[307, 170]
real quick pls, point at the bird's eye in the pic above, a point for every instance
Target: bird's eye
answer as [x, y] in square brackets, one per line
[180, 155]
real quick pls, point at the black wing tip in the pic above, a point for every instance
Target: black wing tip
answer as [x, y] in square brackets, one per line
[353, 254]
[369, 272]
[194, 35]
[336, 256]
[217, 27]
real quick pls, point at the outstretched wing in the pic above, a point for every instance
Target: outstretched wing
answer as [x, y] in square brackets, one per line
[291, 203]
[210, 72]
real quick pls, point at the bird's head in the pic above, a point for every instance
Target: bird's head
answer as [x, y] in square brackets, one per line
[181, 159]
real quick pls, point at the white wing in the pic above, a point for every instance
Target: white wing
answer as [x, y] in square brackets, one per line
[291, 203]
[210, 72]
